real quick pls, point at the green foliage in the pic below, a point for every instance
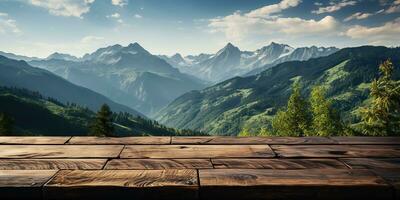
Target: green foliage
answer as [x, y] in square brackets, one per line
[382, 116]
[6, 124]
[224, 109]
[325, 120]
[295, 120]
[103, 123]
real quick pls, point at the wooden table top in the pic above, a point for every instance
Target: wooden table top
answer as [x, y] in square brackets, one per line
[200, 168]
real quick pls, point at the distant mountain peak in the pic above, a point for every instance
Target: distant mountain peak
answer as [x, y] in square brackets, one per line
[228, 48]
[135, 47]
[62, 56]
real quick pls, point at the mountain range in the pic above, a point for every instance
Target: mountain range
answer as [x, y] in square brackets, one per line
[227, 107]
[230, 61]
[128, 75]
[20, 74]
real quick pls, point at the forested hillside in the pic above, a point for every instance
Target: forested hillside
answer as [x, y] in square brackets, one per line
[33, 114]
[230, 106]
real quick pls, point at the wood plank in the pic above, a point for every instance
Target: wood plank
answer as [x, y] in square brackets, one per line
[120, 140]
[252, 140]
[23, 184]
[372, 163]
[392, 176]
[366, 140]
[33, 140]
[292, 184]
[277, 164]
[47, 164]
[196, 151]
[159, 164]
[60, 151]
[336, 151]
[123, 184]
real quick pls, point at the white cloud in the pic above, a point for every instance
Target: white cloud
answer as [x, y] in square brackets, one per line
[121, 3]
[138, 16]
[115, 16]
[333, 7]
[239, 26]
[274, 8]
[387, 34]
[8, 25]
[358, 15]
[394, 7]
[91, 39]
[67, 8]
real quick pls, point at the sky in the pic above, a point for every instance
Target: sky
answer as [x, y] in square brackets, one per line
[41, 27]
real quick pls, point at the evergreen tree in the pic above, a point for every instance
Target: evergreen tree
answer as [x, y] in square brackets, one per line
[382, 117]
[325, 120]
[6, 124]
[295, 120]
[103, 124]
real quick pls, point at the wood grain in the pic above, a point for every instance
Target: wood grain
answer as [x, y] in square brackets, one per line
[159, 164]
[60, 151]
[196, 151]
[292, 184]
[366, 140]
[123, 184]
[372, 163]
[277, 164]
[120, 140]
[251, 140]
[336, 151]
[33, 140]
[23, 184]
[47, 164]
[392, 176]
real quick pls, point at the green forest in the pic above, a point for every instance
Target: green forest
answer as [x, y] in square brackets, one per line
[24, 112]
[316, 115]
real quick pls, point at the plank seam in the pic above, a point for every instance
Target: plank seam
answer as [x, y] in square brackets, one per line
[66, 142]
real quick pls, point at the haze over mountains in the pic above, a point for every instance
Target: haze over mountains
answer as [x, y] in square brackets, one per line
[19, 74]
[230, 61]
[128, 75]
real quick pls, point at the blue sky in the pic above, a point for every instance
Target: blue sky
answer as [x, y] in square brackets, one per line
[40, 27]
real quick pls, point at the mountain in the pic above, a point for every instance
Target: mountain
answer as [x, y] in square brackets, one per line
[17, 57]
[35, 115]
[19, 74]
[230, 61]
[298, 54]
[62, 56]
[227, 107]
[128, 75]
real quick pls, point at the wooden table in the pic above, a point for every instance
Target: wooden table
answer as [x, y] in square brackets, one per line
[199, 168]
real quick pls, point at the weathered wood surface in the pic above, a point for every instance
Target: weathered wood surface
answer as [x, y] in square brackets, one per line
[201, 168]
[23, 184]
[32, 140]
[159, 164]
[120, 140]
[47, 164]
[196, 151]
[292, 184]
[117, 184]
[59, 151]
[252, 140]
[372, 163]
[277, 164]
[336, 151]
[367, 140]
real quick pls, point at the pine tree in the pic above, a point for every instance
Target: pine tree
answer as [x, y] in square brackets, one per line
[6, 124]
[382, 117]
[295, 120]
[103, 124]
[325, 120]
